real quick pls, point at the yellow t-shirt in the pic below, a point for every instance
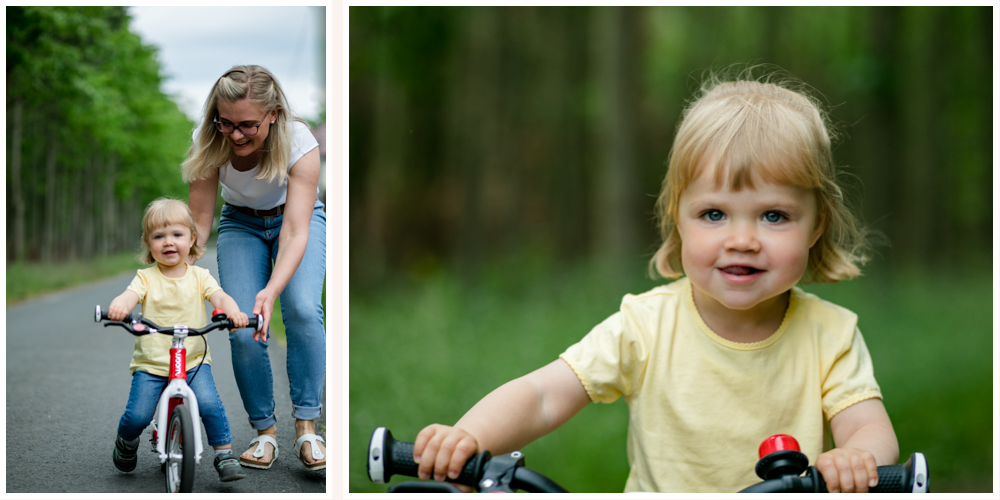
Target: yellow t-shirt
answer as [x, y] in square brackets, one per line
[700, 405]
[169, 302]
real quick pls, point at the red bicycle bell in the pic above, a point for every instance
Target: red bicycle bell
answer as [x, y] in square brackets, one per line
[218, 314]
[780, 455]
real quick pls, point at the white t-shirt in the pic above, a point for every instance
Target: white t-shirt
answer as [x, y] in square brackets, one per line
[242, 189]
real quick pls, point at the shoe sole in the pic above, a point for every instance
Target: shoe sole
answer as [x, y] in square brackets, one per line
[257, 465]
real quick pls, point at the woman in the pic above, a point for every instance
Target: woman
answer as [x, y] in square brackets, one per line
[267, 163]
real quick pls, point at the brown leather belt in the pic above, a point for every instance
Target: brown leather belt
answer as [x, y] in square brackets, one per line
[263, 214]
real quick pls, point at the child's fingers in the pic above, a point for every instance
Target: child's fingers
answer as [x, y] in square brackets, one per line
[423, 436]
[463, 449]
[430, 440]
[872, 467]
[865, 471]
[445, 456]
[828, 469]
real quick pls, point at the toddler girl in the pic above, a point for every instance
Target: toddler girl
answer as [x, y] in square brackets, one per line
[732, 352]
[173, 293]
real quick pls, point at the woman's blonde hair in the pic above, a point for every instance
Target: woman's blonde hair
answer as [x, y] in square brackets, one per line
[210, 150]
[163, 212]
[767, 129]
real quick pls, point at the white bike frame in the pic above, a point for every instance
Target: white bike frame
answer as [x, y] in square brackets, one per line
[177, 387]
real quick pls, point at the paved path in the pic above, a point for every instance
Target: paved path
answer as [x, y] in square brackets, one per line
[67, 384]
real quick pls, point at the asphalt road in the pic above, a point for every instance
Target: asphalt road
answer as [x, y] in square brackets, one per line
[67, 385]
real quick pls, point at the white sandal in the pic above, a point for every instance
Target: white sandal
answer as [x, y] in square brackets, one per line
[259, 452]
[317, 455]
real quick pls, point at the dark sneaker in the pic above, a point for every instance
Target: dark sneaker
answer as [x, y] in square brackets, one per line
[124, 456]
[228, 467]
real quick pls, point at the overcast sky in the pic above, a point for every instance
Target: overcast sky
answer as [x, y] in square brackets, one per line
[198, 44]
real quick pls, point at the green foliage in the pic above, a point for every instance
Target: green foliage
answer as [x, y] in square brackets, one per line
[90, 93]
[429, 348]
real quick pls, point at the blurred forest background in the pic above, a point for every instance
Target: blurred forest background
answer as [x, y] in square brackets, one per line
[83, 101]
[504, 163]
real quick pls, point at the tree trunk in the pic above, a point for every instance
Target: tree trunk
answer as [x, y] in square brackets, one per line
[615, 53]
[51, 197]
[17, 189]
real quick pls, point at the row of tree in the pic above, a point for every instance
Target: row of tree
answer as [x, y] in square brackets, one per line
[474, 131]
[91, 137]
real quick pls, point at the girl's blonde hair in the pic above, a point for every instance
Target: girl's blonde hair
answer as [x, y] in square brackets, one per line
[210, 150]
[768, 130]
[163, 212]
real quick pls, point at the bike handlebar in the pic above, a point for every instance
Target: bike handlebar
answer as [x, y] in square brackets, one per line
[137, 325]
[910, 477]
[486, 473]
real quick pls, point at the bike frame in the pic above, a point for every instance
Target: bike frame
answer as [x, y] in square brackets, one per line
[176, 392]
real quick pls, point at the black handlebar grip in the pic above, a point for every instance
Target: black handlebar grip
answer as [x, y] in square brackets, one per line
[387, 457]
[102, 315]
[910, 477]
[892, 479]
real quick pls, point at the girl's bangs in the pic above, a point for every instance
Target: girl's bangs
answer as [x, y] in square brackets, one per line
[165, 213]
[758, 150]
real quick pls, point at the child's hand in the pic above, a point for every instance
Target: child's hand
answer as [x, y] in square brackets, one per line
[119, 308]
[848, 470]
[239, 319]
[442, 451]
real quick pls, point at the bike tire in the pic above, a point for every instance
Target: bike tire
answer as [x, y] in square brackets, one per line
[180, 451]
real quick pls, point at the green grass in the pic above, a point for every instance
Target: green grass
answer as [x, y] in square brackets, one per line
[31, 279]
[28, 280]
[425, 351]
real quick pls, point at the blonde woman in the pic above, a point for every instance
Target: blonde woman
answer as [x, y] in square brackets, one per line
[272, 243]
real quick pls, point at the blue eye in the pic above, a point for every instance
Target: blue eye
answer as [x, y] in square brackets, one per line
[713, 215]
[774, 217]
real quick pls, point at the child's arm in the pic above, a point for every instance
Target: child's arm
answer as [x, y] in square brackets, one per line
[222, 300]
[865, 439]
[122, 305]
[508, 418]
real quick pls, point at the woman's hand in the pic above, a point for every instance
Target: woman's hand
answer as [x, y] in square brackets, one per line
[264, 306]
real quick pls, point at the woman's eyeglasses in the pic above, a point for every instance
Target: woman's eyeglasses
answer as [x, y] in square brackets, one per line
[246, 128]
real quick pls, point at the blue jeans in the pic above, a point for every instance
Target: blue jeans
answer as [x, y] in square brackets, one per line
[146, 390]
[246, 249]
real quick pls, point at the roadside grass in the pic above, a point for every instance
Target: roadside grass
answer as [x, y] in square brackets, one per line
[26, 280]
[426, 350]
[29, 280]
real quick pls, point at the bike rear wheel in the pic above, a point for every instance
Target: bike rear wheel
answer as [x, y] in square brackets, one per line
[180, 451]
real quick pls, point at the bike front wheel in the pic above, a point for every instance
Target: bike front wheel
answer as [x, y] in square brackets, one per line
[180, 451]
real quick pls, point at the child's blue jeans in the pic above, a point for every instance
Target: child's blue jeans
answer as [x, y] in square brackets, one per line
[246, 249]
[146, 390]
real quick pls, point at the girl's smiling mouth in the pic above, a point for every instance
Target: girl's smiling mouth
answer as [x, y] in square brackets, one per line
[740, 275]
[740, 270]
